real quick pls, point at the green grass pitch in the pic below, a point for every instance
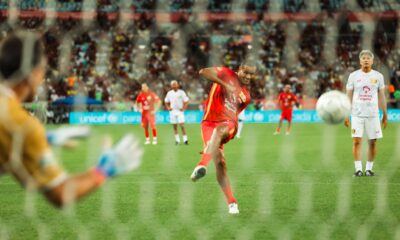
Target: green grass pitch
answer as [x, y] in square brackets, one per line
[288, 187]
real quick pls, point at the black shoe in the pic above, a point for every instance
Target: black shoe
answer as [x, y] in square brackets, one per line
[186, 142]
[199, 172]
[369, 173]
[177, 143]
[359, 173]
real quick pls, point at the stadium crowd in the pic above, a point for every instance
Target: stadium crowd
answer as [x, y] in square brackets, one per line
[108, 60]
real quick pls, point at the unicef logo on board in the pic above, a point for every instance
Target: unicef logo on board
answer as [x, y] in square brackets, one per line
[112, 118]
[258, 117]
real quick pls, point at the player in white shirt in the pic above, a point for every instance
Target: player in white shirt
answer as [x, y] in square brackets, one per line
[366, 90]
[176, 102]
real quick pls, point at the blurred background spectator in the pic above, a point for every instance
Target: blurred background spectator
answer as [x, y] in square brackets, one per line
[107, 55]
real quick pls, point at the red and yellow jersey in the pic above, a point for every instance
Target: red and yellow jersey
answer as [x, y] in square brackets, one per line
[148, 100]
[286, 100]
[221, 105]
[24, 151]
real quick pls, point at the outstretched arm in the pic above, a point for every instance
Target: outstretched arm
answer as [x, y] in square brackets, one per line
[74, 188]
[123, 157]
[212, 75]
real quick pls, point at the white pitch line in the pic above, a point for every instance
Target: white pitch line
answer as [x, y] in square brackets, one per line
[328, 146]
[344, 198]
[265, 192]
[122, 232]
[185, 208]
[286, 154]
[245, 233]
[107, 205]
[248, 156]
[169, 156]
[43, 231]
[362, 232]
[83, 233]
[203, 234]
[305, 205]
[381, 196]
[30, 203]
[146, 200]
[285, 233]
[324, 232]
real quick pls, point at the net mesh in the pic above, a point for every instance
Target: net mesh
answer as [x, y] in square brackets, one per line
[110, 49]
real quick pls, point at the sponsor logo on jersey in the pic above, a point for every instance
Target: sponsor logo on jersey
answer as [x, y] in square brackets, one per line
[374, 81]
[366, 89]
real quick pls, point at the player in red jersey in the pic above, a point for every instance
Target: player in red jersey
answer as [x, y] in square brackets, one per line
[286, 100]
[228, 96]
[148, 102]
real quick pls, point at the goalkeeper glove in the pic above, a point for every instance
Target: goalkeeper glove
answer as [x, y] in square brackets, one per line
[63, 135]
[124, 157]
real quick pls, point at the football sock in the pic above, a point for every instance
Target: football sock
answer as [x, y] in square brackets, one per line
[146, 133]
[185, 138]
[228, 194]
[369, 165]
[205, 159]
[358, 165]
[177, 139]
[278, 129]
[154, 133]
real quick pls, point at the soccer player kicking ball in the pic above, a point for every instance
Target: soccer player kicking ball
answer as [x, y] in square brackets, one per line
[228, 96]
[365, 89]
[148, 102]
[286, 100]
[24, 147]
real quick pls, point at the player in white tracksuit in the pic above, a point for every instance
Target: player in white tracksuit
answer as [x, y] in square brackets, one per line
[366, 89]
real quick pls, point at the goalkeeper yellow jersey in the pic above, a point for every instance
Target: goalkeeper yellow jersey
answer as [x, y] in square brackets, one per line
[24, 151]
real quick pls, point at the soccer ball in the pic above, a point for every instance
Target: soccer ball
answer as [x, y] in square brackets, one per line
[333, 107]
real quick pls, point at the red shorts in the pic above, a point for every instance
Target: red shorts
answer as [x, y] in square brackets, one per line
[286, 115]
[148, 118]
[207, 129]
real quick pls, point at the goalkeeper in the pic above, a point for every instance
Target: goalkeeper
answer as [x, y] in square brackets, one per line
[24, 146]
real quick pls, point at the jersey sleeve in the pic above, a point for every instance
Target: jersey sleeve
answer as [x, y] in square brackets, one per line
[280, 97]
[381, 82]
[350, 82]
[167, 98]
[225, 73]
[185, 97]
[38, 168]
[156, 97]
[221, 71]
[138, 99]
[294, 98]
